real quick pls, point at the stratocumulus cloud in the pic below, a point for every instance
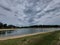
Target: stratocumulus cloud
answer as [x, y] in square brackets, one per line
[30, 12]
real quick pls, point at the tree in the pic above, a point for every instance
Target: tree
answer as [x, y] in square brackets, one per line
[1, 25]
[5, 25]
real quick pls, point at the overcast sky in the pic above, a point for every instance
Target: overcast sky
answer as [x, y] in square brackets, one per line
[30, 12]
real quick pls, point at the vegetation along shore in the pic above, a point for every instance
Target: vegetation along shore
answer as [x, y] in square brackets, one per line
[51, 38]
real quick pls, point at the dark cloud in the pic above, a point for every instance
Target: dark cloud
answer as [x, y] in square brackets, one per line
[54, 9]
[5, 8]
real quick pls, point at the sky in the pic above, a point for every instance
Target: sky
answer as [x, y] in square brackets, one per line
[30, 12]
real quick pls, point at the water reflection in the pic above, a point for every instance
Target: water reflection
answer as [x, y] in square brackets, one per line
[5, 32]
[25, 31]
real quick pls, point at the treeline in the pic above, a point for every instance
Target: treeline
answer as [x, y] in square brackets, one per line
[42, 26]
[3, 26]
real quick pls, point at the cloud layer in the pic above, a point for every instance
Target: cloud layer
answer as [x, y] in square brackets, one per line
[30, 12]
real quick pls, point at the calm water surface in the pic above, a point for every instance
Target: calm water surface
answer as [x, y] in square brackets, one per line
[25, 31]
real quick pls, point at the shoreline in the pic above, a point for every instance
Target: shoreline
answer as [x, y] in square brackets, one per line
[6, 29]
[22, 28]
[21, 36]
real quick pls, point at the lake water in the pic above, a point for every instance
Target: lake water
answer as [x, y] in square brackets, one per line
[25, 31]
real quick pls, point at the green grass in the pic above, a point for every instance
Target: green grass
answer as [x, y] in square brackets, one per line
[51, 38]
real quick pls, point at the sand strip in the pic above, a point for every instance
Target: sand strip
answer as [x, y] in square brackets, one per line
[13, 37]
[7, 29]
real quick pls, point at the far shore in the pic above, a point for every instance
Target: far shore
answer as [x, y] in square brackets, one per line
[3, 29]
[8, 29]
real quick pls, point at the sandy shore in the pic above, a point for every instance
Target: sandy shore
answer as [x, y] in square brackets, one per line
[13, 37]
[6, 29]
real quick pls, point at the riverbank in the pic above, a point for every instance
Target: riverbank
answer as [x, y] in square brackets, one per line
[21, 36]
[50, 38]
[7, 29]
[29, 28]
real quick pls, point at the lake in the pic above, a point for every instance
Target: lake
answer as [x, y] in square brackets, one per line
[25, 31]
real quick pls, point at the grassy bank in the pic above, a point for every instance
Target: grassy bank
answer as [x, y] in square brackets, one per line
[51, 38]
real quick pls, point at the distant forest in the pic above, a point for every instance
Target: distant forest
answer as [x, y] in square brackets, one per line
[3, 26]
[42, 26]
